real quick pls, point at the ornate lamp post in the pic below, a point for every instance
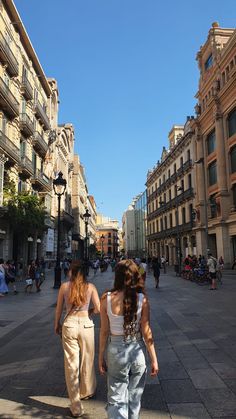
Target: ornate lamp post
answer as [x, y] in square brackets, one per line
[59, 187]
[86, 217]
[102, 241]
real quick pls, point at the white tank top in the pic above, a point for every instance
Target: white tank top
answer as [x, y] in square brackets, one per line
[116, 321]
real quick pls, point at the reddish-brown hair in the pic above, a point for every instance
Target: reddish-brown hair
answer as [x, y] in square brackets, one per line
[79, 285]
[127, 279]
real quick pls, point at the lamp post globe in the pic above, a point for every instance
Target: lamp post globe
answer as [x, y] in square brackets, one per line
[59, 187]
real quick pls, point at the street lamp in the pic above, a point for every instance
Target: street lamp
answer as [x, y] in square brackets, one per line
[86, 217]
[102, 240]
[59, 187]
[201, 161]
[179, 188]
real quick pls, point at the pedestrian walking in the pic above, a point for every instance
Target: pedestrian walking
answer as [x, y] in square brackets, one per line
[78, 335]
[125, 325]
[163, 264]
[10, 275]
[31, 276]
[3, 284]
[156, 270]
[212, 266]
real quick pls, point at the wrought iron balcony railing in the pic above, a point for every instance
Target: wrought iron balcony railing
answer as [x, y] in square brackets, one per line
[7, 56]
[42, 180]
[8, 102]
[40, 144]
[9, 148]
[27, 89]
[26, 125]
[26, 165]
[40, 112]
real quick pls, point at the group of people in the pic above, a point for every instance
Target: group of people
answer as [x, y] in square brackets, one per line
[7, 277]
[35, 275]
[125, 332]
[210, 266]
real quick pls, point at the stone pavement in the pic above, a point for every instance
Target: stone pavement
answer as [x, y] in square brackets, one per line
[195, 334]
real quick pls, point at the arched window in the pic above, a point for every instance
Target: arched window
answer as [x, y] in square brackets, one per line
[233, 159]
[232, 123]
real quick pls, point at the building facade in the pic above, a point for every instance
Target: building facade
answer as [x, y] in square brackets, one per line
[140, 209]
[216, 144]
[129, 231]
[170, 197]
[25, 124]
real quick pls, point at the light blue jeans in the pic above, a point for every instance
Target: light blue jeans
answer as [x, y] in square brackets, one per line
[126, 377]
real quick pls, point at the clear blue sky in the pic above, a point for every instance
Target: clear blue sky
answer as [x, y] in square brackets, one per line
[126, 72]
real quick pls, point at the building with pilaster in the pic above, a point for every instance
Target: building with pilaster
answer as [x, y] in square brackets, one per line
[216, 144]
[170, 197]
[25, 123]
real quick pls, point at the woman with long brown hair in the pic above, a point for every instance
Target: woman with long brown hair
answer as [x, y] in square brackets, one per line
[125, 321]
[77, 334]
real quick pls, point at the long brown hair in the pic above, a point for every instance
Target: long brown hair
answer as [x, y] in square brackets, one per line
[127, 279]
[79, 285]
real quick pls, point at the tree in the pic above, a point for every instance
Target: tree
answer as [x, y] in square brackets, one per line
[25, 212]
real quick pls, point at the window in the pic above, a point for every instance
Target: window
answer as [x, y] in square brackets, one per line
[171, 221]
[188, 155]
[166, 223]
[109, 250]
[211, 142]
[183, 215]
[189, 181]
[157, 228]
[161, 224]
[4, 124]
[109, 235]
[233, 159]
[22, 148]
[234, 195]
[212, 174]
[169, 194]
[1, 182]
[175, 168]
[176, 218]
[182, 185]
[169, 173]
[213, 206]
[232, 123]
[191, 214]
[160, 182]
[209, 62]
[181, 161]
[109, 241]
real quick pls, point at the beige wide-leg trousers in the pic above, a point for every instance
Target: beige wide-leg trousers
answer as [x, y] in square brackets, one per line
[78, 345]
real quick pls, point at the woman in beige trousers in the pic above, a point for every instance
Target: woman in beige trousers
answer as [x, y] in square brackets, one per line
[77, 334]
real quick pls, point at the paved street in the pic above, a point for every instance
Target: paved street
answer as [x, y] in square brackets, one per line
[195, 334]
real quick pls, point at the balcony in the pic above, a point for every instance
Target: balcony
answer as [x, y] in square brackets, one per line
[40, 144]
[40, 112]
[67, 218]
[170, 232]
[26, 125]
[26, 166]
[178, 200]
[41, 181]
[7, 56]
[26, 87]
[8, 103]
[9, 148]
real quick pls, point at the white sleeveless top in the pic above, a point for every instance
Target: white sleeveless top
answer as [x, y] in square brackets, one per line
[117, 321]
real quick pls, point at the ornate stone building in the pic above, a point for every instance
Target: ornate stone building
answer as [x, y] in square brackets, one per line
[25, 123]
[216, 144]
[170, 197]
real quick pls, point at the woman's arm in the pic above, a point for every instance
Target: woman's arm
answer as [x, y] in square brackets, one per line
[95, 300]
[59, 308]
[147, 335]
[104, 332]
